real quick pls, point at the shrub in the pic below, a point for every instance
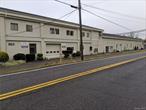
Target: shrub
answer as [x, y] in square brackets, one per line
[70, 50]
[74, 55]
[30, 57]
[78, 53]
[66, 54]
[39, 56]
[19, 56]
[4, 57]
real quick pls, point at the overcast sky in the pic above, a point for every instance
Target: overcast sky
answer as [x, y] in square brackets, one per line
[135, 9]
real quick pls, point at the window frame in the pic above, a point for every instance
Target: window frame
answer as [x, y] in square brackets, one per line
[14, 26]
[54, 31]
[88, 35]
[29, 28]
[69, 32]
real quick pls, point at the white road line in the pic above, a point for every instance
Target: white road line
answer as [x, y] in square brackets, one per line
[27, 71]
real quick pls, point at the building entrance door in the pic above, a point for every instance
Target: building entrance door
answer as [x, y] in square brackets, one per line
[32, 48]
[107, 49]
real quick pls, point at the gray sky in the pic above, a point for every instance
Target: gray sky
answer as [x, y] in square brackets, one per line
[50, 8]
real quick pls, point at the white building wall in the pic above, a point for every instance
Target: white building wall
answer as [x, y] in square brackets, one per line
[95, 42]
[119, 45]
[22, 29]
[21, 47]
[2, 34]
[41, 36]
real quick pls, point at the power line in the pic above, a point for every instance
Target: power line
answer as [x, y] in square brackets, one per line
[67, 14]
[106, 19]
[113, 12]
[109, 11]
[66, 4]
[96, 15]
[43, 24]
[63, 2]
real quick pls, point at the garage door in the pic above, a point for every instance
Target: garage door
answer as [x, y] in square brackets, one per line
[52, 51]
[86, 49]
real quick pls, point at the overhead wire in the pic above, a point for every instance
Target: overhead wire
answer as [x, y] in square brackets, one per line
[67, 14]
[96, 15]
[114, 12]
[117, 24]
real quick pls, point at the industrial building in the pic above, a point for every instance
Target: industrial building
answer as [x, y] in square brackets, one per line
[26, 33]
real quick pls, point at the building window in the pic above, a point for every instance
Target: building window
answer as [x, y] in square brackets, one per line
[11, 44]
[88, 35]
[83, 34]
[54, 31]
[57, 31]
[69, 33]
[29, 28]
[14, 26]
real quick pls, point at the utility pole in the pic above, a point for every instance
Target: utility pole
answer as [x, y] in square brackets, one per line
[80, 22]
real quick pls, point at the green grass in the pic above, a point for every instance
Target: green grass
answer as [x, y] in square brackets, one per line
[13, 63]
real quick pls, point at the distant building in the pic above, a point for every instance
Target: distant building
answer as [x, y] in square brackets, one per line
[28, 33]
[144, 44]
[113, 43]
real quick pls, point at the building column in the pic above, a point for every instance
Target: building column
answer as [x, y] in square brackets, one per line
[2, 35]
[43, 44]
[78, 38]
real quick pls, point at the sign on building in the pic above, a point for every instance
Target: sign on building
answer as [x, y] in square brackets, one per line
[24, 44]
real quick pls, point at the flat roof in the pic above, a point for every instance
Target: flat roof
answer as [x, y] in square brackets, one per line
[116, 36]
[6, 10]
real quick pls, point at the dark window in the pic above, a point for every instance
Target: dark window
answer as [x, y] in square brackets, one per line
[69, 33]
[14, 26]
[88, 35]
[57, 31]
[54, 31]
[11, 44]
[83, 34]
[29, 28]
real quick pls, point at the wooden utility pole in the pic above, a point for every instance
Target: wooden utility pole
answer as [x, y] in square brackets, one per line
[80, 22]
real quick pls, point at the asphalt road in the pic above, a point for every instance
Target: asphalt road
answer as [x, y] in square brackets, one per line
[120, 88]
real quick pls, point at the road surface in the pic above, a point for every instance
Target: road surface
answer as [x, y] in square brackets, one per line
[119, 88]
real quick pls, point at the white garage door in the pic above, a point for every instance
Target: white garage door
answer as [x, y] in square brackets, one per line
[86, 49]
[53, 51]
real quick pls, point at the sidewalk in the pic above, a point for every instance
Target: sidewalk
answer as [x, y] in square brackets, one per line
[57, 61]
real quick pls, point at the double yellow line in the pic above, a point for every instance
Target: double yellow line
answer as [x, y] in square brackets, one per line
[59, 80]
